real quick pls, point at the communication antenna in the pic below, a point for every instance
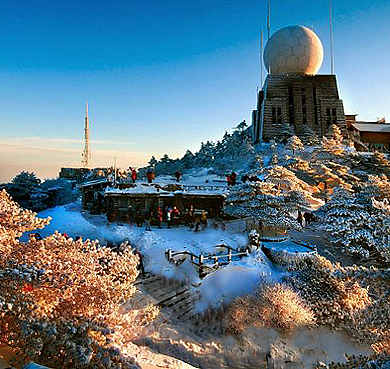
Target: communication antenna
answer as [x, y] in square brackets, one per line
[268, 18]
[261, 59]
[331, 38]
[86, 154]
[115, 172]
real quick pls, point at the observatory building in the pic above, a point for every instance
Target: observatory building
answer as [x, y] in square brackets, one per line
[294, 99]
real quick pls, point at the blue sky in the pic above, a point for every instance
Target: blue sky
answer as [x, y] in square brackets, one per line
[160, 75]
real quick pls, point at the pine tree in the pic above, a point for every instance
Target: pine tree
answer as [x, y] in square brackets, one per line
[205, 156]
[335, 133]
[188, 160]
[360, 223]
[152, 162]
[25, 189]
[294, 143]
[308, 136]
[241, 126]
[287, 132]
[272, 201]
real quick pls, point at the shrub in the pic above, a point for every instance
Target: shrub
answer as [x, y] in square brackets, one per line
[277, 306]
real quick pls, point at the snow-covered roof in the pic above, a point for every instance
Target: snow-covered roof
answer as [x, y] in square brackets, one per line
[372, 127]
[93, 182]
[203, 193]
[144, 189]
[138, 189]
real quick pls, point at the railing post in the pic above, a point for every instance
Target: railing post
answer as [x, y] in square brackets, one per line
[168, 254]
[201, 271]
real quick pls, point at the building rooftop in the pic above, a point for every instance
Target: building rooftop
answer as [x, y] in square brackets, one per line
[372, 127]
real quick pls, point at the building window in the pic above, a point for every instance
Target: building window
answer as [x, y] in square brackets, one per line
[273, 115]
[328, 117]
[334, 112]
[279, 117]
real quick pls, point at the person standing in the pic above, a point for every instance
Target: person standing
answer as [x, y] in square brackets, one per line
[203, 219]
[175, 216]
[178, 175]
[233, 178]
[130, 214]
[147, 222]
[300, 218]
[150, 176]
[228, 180]
[169, 217]
[159, 217]
[133, 175]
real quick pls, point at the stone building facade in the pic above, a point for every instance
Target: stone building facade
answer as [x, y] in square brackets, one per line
[294, 102]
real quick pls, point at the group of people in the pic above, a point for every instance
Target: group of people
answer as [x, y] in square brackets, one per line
[308, 217]
[232, 178]
[171, 215]
[252, 178]
[133, 175]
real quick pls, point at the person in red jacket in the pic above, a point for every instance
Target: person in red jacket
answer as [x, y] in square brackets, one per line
[233, 178]
[175, 216]
[229, 180]
[133, 175]
[159, 217]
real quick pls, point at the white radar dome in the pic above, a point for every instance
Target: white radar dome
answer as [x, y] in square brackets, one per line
[294, 49]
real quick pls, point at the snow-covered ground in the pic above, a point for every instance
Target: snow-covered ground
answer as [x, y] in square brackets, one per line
[194, 177]
[239, 278]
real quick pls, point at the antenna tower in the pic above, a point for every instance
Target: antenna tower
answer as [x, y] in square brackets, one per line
[261, 59]
[331, 38]
[86, 154]
[268, 18]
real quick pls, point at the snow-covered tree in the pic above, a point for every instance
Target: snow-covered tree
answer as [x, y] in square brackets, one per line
[335, 133]
[152, 162]
[60, 191]
[274, 159]
[241, 126]
[27, 180]
[307, 135]
[166, 165]
[25, 189]
[360, 223]
[187, 161]
[60, 300]
[294, 143]
[273, 201]
[258, 201]
[287, 131]
[205, 156]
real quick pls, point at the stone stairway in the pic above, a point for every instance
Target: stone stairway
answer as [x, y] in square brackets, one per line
[175, 298]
